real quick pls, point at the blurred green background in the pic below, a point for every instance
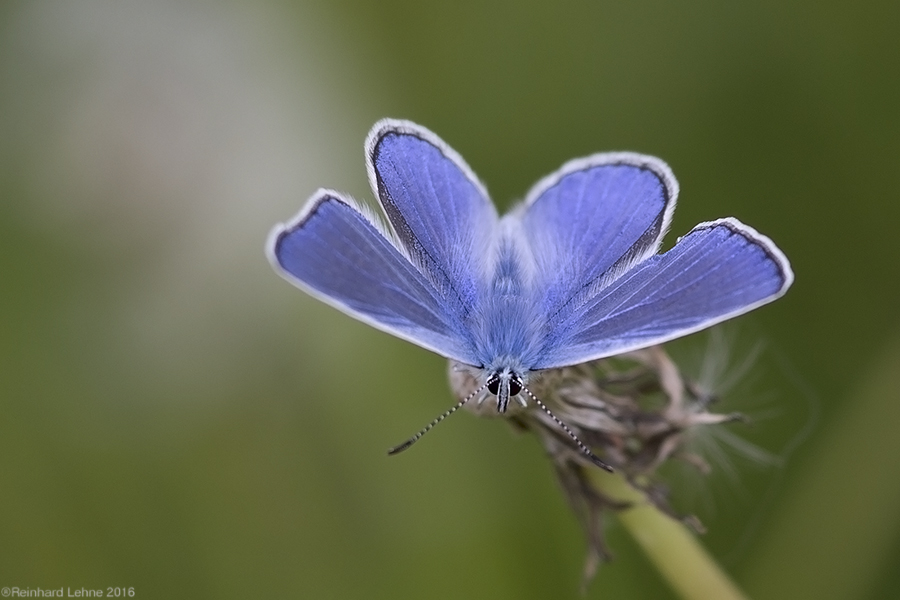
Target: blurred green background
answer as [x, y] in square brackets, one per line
[176, 418]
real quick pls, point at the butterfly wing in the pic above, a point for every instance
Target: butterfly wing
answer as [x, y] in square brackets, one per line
[439, 211]
[335, 253]
[717, 271]
[593, 219]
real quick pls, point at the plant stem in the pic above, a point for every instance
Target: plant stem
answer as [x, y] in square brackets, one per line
[669, 545]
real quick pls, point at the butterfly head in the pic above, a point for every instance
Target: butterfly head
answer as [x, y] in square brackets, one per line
[505, 384]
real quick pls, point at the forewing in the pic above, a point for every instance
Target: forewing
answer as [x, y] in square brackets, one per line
[437, 208]
[335, 253]
[593, 219]
[717, 271]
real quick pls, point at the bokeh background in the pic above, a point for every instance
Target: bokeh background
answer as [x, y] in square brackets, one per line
[177, 419]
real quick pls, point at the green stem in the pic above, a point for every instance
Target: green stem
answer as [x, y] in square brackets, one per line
[669, 545]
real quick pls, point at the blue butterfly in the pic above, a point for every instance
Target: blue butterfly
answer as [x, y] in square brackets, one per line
[571, 275]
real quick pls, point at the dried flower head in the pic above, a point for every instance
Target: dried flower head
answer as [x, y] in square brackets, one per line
[633, 410]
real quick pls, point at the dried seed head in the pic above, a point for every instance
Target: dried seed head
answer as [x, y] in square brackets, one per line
[632, 410]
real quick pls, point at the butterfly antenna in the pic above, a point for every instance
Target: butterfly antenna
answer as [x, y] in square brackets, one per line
[587, 451]
[415, 438]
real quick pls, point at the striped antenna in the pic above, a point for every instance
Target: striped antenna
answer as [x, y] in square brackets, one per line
[415, 438]
[587, 451]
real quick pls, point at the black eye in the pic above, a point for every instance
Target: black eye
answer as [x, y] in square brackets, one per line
[494, 385]
[515, 386]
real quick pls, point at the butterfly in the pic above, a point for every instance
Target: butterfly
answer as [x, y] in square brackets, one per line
[572, 274]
